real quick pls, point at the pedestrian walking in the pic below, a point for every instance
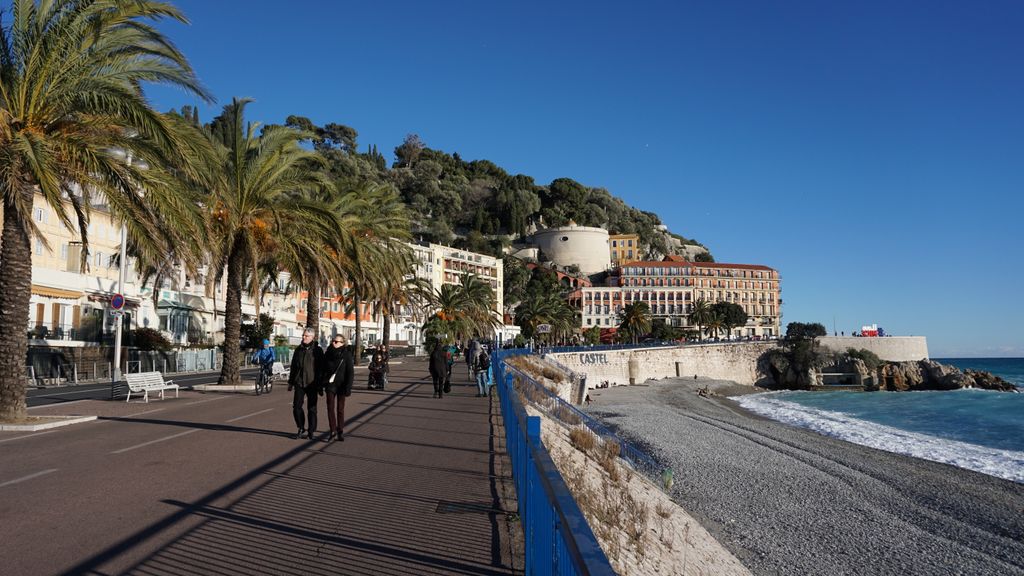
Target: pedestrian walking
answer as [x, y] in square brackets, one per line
[438, 368]
[304, 379]
[482, 368]
[337, 378]
[472, 351]
[453, 351]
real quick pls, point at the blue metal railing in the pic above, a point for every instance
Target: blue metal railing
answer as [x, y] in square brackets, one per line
[558, 408]
[558, 538]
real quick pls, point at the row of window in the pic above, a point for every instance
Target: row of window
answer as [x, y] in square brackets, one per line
[687, 271]
[663, 309]
[629, 296]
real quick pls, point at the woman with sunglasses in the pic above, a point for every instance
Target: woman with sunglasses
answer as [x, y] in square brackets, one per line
[337, 380]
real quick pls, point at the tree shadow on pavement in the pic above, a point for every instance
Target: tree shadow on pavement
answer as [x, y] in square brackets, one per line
[398, 498]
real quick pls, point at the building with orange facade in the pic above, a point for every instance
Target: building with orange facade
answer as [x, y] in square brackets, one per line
[624, 248]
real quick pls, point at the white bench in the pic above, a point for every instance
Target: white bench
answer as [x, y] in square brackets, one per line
[145, 381]
[279, 369]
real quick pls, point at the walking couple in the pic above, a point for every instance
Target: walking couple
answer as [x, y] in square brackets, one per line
[315, 372]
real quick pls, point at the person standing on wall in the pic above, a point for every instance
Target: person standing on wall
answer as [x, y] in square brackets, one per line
[304, 379]
[337, 379]
[438, 368]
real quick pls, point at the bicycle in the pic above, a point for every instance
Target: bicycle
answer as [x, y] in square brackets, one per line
[264, 381]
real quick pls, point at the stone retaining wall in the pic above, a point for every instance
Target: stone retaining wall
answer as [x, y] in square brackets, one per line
[739, 362]
[889, 348]
[736, 362]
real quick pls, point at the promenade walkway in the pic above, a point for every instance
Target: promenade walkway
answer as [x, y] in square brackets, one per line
[214, 484]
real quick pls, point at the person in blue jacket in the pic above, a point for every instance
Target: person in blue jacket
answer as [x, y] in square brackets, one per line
[265, 357]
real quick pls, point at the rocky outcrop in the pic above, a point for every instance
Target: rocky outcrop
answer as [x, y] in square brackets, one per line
[892, 376]
[989, 381]
[931, 375]
[785, 373]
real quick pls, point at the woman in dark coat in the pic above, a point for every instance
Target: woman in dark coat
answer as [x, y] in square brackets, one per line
[337, 381]
[438, 368]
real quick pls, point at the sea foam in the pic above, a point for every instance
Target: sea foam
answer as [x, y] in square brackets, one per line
[1006, 464]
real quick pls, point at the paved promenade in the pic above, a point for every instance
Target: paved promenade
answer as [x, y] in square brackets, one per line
[214, 483]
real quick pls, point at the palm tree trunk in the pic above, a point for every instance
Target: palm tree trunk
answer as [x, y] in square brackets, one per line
[16, 275]
[229, 374]
[358, 340]
[313, 306]
[387, 330]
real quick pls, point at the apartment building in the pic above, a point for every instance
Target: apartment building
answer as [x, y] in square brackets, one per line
[70, 303]
[435, 263]
[670, 287]
[69, 300]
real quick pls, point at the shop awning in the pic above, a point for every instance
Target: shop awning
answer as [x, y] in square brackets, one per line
[55, 292]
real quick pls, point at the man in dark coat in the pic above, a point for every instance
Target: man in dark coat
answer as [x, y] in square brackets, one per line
[337, 381]
[438, 368]
[304, 377]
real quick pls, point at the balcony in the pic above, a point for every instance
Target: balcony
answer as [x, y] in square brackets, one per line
[67, 332]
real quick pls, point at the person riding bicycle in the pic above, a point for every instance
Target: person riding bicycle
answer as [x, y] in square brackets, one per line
[265, 357]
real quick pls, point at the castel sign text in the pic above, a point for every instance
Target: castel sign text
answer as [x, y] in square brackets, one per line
[593, 358]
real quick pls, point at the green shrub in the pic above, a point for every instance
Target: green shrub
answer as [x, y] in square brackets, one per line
[870, 359]
[150, 339]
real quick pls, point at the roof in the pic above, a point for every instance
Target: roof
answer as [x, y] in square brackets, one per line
[676, 263]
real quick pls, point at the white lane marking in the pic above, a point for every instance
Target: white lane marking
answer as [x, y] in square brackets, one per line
[28, 436]
[208, 400]
[171, 437]
[146, 412]
[249, 415]
[29, 477]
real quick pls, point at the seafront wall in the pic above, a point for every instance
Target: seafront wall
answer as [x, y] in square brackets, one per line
[890, 348]
[736, 362]
[739, 362]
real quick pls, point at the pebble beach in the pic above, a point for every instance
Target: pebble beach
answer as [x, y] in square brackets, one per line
[786, 500]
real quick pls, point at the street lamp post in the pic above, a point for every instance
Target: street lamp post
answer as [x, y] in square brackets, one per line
[122, 262]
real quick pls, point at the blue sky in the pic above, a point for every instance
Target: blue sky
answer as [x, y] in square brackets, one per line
[872, 152]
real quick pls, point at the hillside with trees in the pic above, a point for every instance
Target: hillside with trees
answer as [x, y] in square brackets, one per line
[476, 205]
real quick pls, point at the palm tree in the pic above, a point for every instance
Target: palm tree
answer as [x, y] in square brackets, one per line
[701, 314]
[715, 323]
[377, 243]
[259, 208]
[399, 287]
[635, 319]
[547, 308]
[73, 117]
[479, 304]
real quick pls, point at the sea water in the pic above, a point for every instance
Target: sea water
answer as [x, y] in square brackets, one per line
[975, 429]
